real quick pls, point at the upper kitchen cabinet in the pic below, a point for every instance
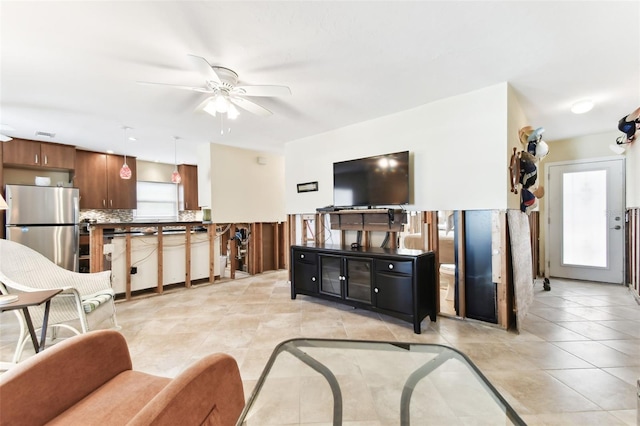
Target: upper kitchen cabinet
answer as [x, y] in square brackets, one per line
[98, 178]
[26, 153]
[188, 190]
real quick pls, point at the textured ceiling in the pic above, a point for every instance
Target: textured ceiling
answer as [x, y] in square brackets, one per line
[70, 68]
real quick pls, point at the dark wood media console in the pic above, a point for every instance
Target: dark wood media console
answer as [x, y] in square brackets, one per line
[395, 282]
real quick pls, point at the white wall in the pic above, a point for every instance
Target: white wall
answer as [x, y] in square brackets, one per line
[153, 172]
[241, 189]
[457, 144]
[516, 120]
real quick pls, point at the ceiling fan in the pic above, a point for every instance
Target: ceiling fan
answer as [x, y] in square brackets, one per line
[222, 84]
[4, 128]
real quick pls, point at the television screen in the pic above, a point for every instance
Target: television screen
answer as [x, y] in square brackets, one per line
[381, 180]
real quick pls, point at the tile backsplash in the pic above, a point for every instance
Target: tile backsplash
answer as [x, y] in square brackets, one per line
[123, 216]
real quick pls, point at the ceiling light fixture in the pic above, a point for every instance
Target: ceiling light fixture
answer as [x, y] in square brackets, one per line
[175, 176]
[125, 171]
[581, 107]
[219, 105]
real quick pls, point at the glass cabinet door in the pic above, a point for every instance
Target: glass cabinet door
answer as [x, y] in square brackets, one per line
[331, 281]
[358, 280]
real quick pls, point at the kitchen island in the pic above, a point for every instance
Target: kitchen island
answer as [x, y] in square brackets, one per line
[151, 255]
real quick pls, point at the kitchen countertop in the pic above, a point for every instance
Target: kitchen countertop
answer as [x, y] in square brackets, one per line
[144, 224]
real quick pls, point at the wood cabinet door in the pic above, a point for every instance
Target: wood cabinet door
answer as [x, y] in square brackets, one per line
[188, 187]
[122, 193]
[91, 179]
[58, 156]
[21, 151]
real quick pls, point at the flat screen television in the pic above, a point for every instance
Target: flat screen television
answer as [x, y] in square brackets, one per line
[381, 180]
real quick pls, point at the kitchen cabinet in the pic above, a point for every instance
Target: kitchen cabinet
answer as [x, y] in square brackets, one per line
[22, 152]
[98, 178]
[395, 282]
[188, 189]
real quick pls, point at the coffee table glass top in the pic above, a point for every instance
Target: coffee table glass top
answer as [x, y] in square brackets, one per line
[322, 381]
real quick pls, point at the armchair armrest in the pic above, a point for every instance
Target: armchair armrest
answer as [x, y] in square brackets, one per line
[61, 376]
[208, 392]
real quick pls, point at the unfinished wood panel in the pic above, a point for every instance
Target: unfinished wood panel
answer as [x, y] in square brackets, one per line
[160, 285]
[96, 248]
[211, 234]
[320, 235]
[498, 265]
[430, 235]
[633, 250]
[233, 253]
[534, 230]
[256, 249]
[291, 222]
[187, 256]
[267, 247]
[127, 253]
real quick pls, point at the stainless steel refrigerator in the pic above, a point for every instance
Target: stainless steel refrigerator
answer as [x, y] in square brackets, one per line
[45, 218]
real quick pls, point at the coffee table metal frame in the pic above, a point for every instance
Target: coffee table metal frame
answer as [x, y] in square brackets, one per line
[443, 353]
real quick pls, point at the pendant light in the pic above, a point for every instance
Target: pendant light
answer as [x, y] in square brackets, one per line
[175, 176]
[125, 171]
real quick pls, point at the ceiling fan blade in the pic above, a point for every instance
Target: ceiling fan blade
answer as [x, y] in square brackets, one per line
[250, 106]
[205, 67]
[178, 86]
[262, 90]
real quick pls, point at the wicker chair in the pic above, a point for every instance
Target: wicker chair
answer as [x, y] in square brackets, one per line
[86, 302]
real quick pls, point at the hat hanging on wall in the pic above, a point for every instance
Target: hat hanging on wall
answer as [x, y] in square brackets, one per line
[528, 201]
[528, 170]
[523, 134]
[628, 127]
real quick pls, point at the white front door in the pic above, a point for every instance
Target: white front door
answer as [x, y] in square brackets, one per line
[585, 216]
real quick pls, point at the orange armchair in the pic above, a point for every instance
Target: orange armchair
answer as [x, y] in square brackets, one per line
[88, 379]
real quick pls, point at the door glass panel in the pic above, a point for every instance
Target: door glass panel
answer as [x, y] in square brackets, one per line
[359, 280]
[584, 219]
[330, 282]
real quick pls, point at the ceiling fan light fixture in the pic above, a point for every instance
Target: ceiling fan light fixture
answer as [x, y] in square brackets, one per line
[222, 104]
[581, 107]
[210, 108]
[232, 113]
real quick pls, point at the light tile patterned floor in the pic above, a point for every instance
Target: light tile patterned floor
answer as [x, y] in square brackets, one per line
[575, 362]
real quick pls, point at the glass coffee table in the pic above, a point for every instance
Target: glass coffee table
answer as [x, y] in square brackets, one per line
[322, 381]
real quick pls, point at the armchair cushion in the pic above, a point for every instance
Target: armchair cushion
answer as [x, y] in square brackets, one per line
[87, 379]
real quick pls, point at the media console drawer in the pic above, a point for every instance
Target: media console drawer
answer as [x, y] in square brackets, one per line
[395, 282]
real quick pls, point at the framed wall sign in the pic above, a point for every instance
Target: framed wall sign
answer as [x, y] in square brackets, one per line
[308, 186]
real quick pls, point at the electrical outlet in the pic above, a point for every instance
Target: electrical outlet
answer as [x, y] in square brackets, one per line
[134, 270]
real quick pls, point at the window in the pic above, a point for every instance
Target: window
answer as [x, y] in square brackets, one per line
[157, 200]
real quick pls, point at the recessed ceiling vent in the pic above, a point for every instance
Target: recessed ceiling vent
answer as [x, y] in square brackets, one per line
[46, 134]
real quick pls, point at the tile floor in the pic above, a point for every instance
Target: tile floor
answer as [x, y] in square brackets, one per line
[576, 361]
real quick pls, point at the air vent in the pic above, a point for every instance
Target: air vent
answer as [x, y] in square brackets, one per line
[46, 134]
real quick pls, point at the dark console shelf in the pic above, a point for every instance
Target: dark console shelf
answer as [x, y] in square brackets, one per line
[395, 282]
